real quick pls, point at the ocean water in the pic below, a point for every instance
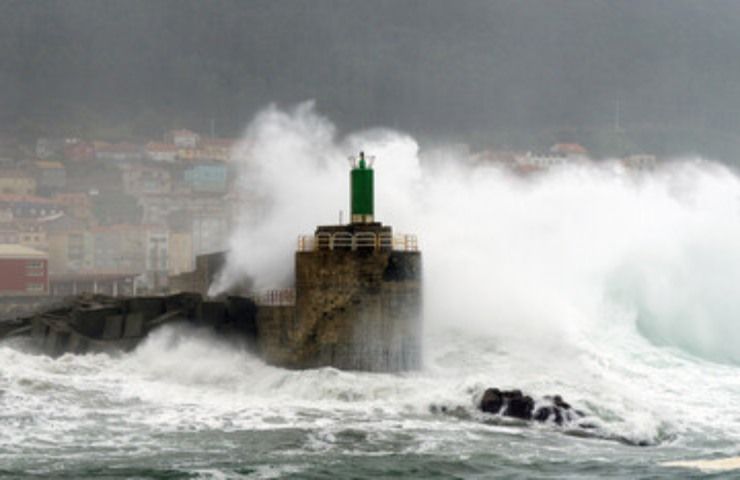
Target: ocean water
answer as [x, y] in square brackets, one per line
[185, 404]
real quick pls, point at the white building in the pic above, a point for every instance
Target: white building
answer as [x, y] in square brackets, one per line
[182, 138]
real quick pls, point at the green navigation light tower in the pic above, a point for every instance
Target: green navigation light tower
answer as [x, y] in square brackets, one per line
[358, 302]
[361, 185]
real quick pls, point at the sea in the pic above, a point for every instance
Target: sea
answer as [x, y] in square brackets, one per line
[188, 405]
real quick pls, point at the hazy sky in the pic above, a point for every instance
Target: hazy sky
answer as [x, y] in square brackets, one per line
[461, 68]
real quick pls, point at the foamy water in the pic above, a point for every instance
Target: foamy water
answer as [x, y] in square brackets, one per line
[185, 403]
[615, 290]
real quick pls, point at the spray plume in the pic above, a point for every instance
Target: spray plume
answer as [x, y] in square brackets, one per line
[544, 261]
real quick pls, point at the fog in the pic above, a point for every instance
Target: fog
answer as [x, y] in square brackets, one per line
[618, 76]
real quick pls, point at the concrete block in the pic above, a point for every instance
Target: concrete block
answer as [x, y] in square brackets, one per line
[212, 313]
[38, 328]
[77, 344]
[188, 303]
[242, 312]
[55, 343]
[91, 321]
[133, 325]
[113, 327]
[149, 307]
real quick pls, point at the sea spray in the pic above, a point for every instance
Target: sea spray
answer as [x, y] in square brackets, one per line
[538, 260]
[604, 284]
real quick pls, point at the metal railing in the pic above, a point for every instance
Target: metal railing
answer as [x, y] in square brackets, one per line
[357, 241]
[284, 296]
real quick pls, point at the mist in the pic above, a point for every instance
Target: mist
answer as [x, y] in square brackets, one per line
[619, 77]
[542, 261]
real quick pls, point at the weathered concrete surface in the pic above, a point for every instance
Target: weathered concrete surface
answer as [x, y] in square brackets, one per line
[355, 310]
[98, 323]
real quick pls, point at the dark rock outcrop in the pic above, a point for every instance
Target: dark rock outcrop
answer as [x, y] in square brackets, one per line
[513, 403]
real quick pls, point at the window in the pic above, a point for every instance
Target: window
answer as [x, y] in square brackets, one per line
[35, 268]
[34, 287]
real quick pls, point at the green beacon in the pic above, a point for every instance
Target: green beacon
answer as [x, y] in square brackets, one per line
[361, 185]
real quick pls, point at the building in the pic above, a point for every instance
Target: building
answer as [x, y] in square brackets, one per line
[502, 158]
[205, 217]
[75, 204]
[218, 149]
[9, 233]
[156, 258]
[31, 233]
[119, 248]
[111, 208]
[94, 178]
[569, 150]
[29, 206]
[209, 177]
[79, 152]
[182, 138]
[51, 147]
[51, 176]
[161, 152]
[210, 233]
[17, 182]
[530, 162]
[71, 247]
[24, 271]
[142, 179]
[119, 152]
[642, 163]
[180, 252]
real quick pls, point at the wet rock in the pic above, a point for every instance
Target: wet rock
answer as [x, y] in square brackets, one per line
[520, 406]
[543, 414]
[513, 403]
[492, 401]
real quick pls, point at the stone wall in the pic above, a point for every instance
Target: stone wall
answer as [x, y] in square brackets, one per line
[355, 310]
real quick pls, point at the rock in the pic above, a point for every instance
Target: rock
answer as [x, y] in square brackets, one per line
[492, 401]
[520, 406]
[513, 403]
[543, 414]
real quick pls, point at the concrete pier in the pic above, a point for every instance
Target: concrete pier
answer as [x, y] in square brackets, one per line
[358, 304]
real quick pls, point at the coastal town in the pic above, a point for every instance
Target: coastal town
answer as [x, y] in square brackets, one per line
[127, 218]
[115, 218]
